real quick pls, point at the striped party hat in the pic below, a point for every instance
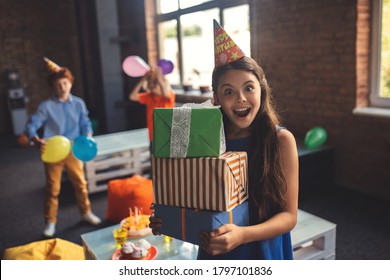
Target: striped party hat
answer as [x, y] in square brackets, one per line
[51, 66]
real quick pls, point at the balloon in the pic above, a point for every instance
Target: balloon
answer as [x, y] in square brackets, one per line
[57, 148]
[23, 140]
[166, 66]
[134, 66]
[84, 148]
[315, 137]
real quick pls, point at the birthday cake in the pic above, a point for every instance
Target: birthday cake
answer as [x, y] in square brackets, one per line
[136, 224]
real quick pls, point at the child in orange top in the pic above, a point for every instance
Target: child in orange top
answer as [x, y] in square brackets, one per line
[158, 94]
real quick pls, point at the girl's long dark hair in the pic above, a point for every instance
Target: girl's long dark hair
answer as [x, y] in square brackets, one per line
[267, 183]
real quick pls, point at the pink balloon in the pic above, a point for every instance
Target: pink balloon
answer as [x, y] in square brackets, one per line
[134, 66]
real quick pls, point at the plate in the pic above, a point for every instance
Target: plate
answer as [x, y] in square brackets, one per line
[139, 233]
[152, 254]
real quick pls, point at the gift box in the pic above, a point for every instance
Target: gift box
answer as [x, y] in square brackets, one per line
[186, 223]
[207, 183]
[188, 132]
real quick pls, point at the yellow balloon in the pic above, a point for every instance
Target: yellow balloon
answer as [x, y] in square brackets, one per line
[57, 148]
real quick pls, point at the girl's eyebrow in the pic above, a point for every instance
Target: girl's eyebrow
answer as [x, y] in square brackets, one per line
[246, 82]
[225, 85]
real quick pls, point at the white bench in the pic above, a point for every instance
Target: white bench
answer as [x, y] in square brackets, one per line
[119, 154]
[313, 238]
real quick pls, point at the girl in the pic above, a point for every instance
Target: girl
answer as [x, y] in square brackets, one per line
[251, 124]
[158, 94]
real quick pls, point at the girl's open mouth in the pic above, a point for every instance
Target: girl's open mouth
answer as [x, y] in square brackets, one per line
[242, 112]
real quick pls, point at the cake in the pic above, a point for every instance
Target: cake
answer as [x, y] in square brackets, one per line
[138, 250]
[136, 224]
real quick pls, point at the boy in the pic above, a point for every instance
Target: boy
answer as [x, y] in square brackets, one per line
[63, 114]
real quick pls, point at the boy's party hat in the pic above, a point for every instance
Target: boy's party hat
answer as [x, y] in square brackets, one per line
[225, 50]
[53, 67]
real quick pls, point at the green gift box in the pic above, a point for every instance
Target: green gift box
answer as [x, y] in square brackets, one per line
[188, 132]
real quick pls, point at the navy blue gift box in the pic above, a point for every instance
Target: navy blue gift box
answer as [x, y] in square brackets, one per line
[186, 223]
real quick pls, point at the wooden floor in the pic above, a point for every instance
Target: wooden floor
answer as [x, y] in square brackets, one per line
[363, 224]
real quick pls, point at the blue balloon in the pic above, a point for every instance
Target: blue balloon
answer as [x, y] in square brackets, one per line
[84, 148]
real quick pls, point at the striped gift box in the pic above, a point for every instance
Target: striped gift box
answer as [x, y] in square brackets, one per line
[207, 183]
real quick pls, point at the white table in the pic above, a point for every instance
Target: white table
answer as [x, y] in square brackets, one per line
[100, 245]
[312, 238]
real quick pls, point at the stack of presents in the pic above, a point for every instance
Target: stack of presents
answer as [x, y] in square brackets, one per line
[197, 184]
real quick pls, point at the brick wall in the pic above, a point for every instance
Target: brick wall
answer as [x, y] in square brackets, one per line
[29, 30]
[316, 68]
[362, 53]
[151, 31]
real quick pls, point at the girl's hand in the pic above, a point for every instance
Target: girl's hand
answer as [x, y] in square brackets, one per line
[222, 239]
[155, 223]
[159, 73]
[156, 74]
[146, 76]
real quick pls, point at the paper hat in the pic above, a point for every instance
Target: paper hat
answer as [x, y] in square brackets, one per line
[51, 66]
[225, 50]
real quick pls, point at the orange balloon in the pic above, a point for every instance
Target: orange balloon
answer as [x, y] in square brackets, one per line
[23, 140]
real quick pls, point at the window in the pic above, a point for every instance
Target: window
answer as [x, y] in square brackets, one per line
[186, 35]
[380, 60]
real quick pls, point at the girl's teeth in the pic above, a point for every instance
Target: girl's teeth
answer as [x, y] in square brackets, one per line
[242, 112]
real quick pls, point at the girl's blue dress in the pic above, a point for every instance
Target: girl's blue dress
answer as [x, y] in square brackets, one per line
[278, 248]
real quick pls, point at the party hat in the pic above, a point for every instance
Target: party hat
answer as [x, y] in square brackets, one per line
[225, 50]
[53, 67]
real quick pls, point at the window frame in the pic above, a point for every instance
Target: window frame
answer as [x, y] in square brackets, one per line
[376, 31]
[175, 15]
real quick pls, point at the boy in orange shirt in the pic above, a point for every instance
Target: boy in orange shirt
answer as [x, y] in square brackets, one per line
[158, 94]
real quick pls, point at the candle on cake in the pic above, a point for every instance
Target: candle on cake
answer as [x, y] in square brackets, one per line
[136, 224]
